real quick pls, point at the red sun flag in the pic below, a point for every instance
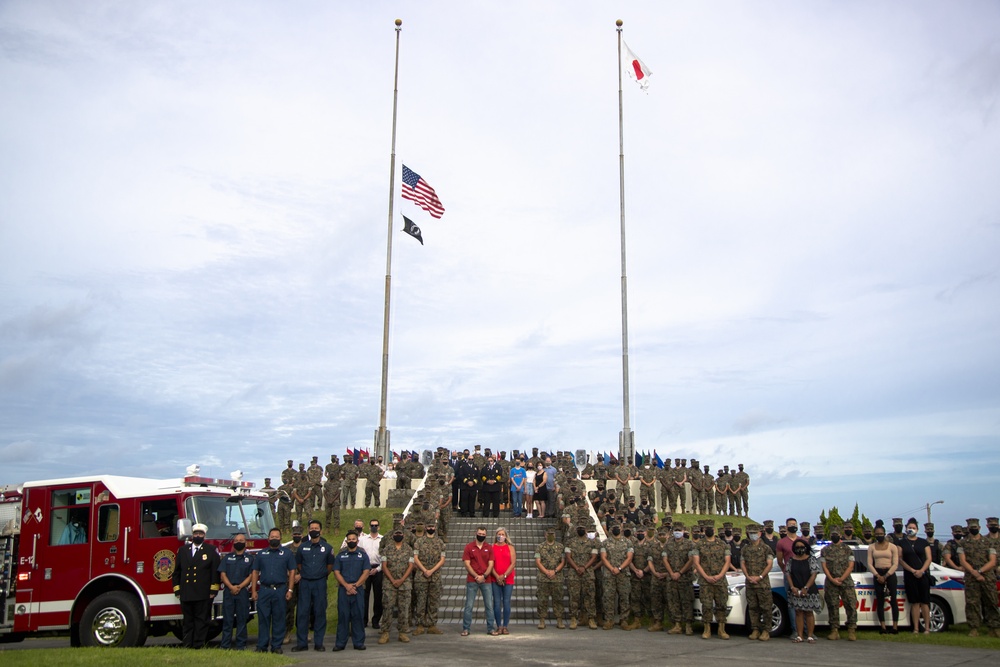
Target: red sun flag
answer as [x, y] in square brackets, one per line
[636, 68]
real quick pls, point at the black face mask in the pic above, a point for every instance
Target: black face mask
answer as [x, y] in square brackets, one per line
[769, 531]
[628, 532]
[616, 531]
[480, 538]
[352, 545]
[296, 539]
[313, 534]
[239, 546]
[792, 529]
[397, 538]
[274, 544]
[993, 529]
[956, 536]
[640, 536]
[709, 532]
[880, 538]
[805, 532]
[729, 532]
[581, 532]
[849, 532]
[800, 551]
[974, 531]
[198, 540]
[431, 531]
[835, 538]
[930, 534]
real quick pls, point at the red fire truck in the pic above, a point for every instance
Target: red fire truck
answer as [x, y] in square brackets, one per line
[94, 556]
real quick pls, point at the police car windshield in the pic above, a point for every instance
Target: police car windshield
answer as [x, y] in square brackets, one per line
[224, 519]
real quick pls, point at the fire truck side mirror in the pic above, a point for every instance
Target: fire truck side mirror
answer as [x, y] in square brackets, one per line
[183, 529]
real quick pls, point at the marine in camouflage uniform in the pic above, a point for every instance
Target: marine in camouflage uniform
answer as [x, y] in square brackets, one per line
[285, 504]
[331, 494]
[837, 560]
[288, 475]
[978, 557]
[428, 556]
[949, 552]
[711, 559]
[722, 492]
[708, 489]
[303, 496]
[742, 480]
[616, 554]
[647, 483]
[601, 471]
[315, 473]
[397, 594]
[731, 494]
[756, 559]
[272, 493]
[639, 595]
[657, 573]
[699, 505]
[349, 487]
[680, 481]
[663, 476]
[582, 556]
[678, 560]
[373, 476]
[550, 559]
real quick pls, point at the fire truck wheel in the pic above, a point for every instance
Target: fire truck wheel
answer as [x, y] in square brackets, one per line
[113, 619]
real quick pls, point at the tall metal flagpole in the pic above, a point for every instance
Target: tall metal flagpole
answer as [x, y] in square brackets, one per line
[626, 439]
[382, 434]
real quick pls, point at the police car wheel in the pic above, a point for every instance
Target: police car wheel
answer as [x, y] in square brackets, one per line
[940, 615]
[779, 616]
[113, 619]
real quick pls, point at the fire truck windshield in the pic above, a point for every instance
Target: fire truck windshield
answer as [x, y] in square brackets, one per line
[225, 518]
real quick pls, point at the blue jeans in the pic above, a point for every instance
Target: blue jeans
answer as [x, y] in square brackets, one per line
[235, 607]
[350, 615]
[471, 588]
[501, 603]
[270, 616]
[312, 598]
[517, 501]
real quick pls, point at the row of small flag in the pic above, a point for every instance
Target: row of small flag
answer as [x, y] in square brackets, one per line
[358, 455]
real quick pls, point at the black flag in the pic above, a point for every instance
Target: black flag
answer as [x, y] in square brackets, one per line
[412, 229]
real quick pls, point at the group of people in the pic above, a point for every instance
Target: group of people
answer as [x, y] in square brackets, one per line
[317, 488]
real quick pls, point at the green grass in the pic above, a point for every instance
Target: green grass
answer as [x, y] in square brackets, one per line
[956, 635]
[139, 657]
[738, 521]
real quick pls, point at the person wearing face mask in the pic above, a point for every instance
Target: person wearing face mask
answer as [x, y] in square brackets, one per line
[616, 555]
[314, 561]
[271, 588]
[581, 559]
[292, 608]
[915, 559]
[541, 491]
[783, 552]
[550, 559]
[478, 560]
[949, 552]
[679, 563]
[847, 534]
[468, 479]
[755, 562]
[657, 574]
[235, 573]
[351, 568]
[837, 561]
[517, 480]
[805, 530]
[897, 536]
[428, 557]
[979, 559]
[883, 561]
[397, 589]
[502, 578]
[639, 596]
[196, 583]
[801, 571]
[993, 533]
[935, 543]
[711, 561]
[768, 537]
[491, 480]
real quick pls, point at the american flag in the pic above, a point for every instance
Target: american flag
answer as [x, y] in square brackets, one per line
[418, 191]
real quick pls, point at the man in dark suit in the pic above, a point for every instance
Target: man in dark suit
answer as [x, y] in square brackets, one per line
[196, 583]
[468, 478]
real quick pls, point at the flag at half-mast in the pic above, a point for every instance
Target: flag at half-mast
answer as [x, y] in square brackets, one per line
[421, 193]
[636, 68]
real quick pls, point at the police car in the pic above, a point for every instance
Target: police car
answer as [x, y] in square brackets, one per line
[947, 597]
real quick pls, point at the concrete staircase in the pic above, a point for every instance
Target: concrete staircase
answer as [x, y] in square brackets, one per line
[525, 535]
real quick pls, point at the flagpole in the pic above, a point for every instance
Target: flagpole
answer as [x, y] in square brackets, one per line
[626, 439]
[382, 434]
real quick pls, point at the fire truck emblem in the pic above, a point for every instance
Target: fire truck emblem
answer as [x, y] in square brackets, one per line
[164, 562]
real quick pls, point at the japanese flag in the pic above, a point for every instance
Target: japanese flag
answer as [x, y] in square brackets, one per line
[636, 68]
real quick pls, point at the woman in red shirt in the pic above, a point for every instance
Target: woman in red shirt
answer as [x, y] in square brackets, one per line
[504, 559]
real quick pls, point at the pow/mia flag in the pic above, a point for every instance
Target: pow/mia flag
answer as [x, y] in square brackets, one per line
[412, 229]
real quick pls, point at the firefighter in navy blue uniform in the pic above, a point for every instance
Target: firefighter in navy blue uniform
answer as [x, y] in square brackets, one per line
[351, 567]
[235, 573]
[315, 561]
[196, 583]
[274, 572]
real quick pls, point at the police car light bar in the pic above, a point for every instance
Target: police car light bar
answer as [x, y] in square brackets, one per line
[194, 480]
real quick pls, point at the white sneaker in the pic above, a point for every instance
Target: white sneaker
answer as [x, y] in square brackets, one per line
[529, 516]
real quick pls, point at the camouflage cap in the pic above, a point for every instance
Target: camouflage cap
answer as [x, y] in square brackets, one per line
[289, 462]
[668, 519]
[694, 463]
[267, 480]
[956, 528]
[928, 526]
[897, 521]
[804, 524]
[709, 523]
[992, 521]
[848, 524]
[769, 522]
[302, 466]
[296, 528]
[972, 523]
[706, 467]
[727, 524]
[678, 525]
[478, 447]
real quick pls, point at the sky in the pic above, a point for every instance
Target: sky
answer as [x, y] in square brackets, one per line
[194, 204]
